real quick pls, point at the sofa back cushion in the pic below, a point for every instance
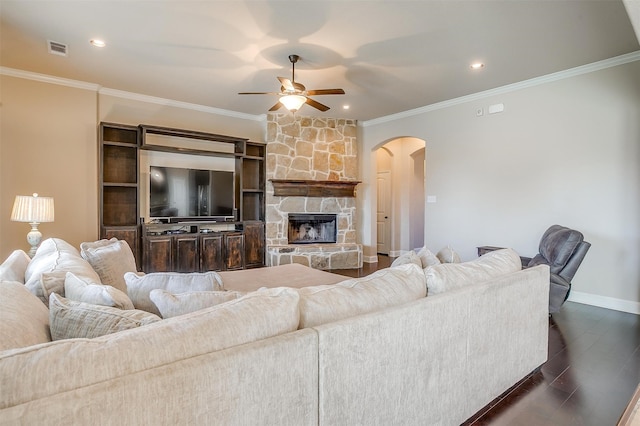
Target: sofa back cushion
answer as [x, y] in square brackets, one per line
[14, 267]
[56, 257]
[80, 363]
[449, 276]
[387, 287]
[24, 320]
[139, 286]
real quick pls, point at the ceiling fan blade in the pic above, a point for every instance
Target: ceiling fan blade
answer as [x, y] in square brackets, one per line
[259, 93]
[317, 105]
[287, 84]
[276, 106]
[325, 92]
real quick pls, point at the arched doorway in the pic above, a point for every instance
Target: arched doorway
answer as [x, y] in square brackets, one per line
[400, 200]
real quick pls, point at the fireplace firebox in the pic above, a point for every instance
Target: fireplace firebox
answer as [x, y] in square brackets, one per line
[312, 228]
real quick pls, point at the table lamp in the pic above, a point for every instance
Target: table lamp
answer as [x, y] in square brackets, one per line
[34, 210]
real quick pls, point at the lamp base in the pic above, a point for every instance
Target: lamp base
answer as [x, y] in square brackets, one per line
[33, 238]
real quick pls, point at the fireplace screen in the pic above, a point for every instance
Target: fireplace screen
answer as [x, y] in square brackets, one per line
[312, 228]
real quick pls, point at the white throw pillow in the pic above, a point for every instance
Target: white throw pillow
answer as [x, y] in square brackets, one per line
[111, 259]
[448, 255]
[405, 258]
[450, 276]
[77, 289]
[56, 256]
[427, 258]
[172, 305]
[70, 319]
[139, 287]
[14, 267]
[24, 320]
[387, 287]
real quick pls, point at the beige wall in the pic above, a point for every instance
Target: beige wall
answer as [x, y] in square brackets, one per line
[48, 145]
[565, 151]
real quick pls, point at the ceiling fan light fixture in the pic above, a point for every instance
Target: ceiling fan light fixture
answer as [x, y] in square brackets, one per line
[292, 102]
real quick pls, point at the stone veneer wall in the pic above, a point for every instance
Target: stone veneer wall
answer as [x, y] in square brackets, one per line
[310, 148]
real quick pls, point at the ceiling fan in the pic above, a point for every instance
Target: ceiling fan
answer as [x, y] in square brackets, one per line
[293, 94]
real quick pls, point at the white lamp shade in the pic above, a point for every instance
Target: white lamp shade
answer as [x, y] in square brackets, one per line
[293, 102]
[32, 209]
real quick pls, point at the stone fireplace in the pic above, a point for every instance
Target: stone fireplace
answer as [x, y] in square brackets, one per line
[301, 152]
[311, 228]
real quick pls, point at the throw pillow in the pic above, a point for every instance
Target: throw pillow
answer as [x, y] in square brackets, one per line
[139, 287]
[24, 320]
[56, 256]
[14, 267]
[79, 290]
[70, 319]
[405, 258]
[450, 276]
[427, 258]
[111, 259]
[387, 287]
[448, 255]
[172, 305]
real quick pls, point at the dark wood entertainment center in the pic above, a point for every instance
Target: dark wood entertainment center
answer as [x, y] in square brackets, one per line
[189, 245]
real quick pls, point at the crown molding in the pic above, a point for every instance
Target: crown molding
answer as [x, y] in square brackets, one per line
[179, 104]
[560, 75]
[44, 78]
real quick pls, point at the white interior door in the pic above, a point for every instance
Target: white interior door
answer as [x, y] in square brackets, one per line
[384, 212]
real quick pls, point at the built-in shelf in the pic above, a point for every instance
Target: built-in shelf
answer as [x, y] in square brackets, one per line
[313, 188]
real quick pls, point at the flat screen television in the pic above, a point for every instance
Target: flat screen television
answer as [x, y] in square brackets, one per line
[189, 194]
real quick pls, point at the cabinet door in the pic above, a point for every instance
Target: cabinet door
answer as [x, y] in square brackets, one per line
[158, 254]
[211, 251]
[234, 251]
[254, 244]
[186, 253]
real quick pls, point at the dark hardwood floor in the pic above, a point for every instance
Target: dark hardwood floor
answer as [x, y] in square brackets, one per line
[591, 374]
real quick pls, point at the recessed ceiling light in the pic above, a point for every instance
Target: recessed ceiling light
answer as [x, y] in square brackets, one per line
[477, 65]
[97, 42]
[345, 106]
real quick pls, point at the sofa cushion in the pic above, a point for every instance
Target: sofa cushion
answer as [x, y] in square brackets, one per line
[69, 319]
[24, 320]
[111, 259]
[427, 258]
[79, 290]
[449, 276]
[387, 287]
[14, 267]
[405, 258]
[56, 257]
[139, 286]
[171, 305]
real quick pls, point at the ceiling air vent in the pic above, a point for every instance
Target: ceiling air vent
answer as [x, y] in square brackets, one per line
[56, 48]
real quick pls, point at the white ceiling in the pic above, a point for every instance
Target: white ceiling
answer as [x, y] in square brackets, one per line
[389, 56]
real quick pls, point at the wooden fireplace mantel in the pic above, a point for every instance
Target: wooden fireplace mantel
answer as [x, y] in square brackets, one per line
[313, 188]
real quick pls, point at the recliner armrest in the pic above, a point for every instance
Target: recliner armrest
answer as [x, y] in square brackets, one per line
[525, 261]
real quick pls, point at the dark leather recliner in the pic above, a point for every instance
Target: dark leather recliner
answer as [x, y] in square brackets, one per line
[563, 249]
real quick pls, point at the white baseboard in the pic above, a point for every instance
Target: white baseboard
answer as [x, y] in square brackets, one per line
[370, 259]
[605, 302]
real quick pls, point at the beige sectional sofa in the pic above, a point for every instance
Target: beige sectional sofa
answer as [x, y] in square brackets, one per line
[388, 355]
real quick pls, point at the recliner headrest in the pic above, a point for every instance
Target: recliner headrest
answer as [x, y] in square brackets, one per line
[558, 244]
